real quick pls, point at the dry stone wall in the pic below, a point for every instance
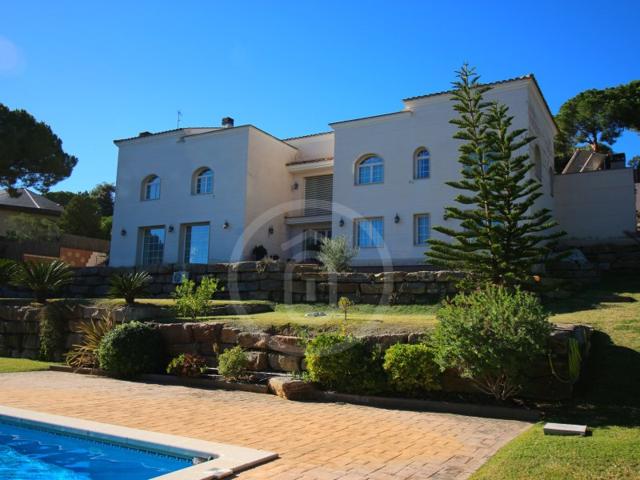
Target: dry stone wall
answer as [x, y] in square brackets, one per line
[280, 282]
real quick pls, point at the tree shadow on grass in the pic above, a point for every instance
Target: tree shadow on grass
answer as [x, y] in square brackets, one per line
[594, 296]
[609, 392]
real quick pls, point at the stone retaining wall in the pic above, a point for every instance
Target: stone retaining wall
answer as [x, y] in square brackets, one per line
[280, 282]
[280, 353]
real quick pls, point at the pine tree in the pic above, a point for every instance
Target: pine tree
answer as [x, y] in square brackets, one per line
[501, 235]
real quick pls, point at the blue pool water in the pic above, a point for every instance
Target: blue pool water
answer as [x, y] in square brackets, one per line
[34, 454]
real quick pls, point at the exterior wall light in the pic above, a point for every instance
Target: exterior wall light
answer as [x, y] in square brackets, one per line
[396, 219]
[294, 186]
[341, 222]
[123, 232]
[225, 225]
[170, 228]
[270, 230]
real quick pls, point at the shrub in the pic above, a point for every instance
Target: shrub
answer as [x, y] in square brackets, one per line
[130, 349]
[344, 363]
[129, 286]
[336, 254]
[233, 363]
[411, 368]
[263, 264]
[492, 336]
[44, 278]
[192, 301]
[344, 304]
[51, 331]
[259, 252]
[8, 270]
[187, 365]
[85, 353]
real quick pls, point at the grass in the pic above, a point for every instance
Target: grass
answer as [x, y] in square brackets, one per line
[12, 365]
[608, 401]
[361, 319]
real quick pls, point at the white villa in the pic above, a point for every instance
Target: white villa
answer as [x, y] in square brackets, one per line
[206, 195]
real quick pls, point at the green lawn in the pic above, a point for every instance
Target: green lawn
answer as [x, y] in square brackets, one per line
[11, 365]
[609, 402]
[361, 319]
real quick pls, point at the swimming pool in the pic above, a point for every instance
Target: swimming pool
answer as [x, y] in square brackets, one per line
[39, 446]
[35, 454]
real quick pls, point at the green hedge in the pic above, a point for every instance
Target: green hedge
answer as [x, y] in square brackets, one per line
[131, 349]
[411, 369]
[344, 363]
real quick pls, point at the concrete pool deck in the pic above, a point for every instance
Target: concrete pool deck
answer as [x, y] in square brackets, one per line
[315, 441]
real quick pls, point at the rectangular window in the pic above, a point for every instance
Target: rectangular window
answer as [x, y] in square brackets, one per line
[369, 232]
[196, 243]
[421, 228]
[152, 245]
[422, 168]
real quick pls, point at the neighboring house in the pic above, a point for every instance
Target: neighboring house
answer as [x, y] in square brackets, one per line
[74, 250]
[26, 202]
[198, 195]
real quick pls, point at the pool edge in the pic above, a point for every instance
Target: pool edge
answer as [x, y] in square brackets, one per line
[228, 459]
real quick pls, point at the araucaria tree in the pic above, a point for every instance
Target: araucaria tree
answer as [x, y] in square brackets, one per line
[500, 234]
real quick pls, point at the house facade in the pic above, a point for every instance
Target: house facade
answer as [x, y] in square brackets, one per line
[205, 195]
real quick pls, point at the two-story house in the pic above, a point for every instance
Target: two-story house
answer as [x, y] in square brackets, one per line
[203, 195]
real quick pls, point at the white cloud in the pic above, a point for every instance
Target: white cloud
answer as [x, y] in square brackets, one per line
[11, 58]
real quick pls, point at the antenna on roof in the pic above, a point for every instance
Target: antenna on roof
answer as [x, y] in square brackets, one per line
[179, 118]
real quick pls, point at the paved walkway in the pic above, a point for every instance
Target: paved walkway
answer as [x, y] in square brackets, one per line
[315, 441]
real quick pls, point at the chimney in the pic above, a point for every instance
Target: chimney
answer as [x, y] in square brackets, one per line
[145, 134]
[227, 122]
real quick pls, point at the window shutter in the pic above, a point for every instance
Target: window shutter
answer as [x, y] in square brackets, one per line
[318, 194]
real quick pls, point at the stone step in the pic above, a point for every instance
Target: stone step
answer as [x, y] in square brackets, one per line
[564, 429]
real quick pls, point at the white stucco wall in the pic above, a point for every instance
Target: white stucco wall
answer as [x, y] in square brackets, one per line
[595, 206]
[395, 138]
[313, 146]
[268, 191]
[174, 161]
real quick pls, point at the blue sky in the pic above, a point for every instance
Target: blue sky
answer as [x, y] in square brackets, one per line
[96, 71]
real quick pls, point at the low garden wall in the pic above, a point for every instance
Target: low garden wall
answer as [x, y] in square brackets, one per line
[19, 337]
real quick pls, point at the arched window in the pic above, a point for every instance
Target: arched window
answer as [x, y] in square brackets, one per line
[537, 162]
[203, 181]
[421, 167]
[370, 170]
[151, 188]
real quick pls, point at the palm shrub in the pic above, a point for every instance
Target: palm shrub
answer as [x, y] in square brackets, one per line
[44, 278]
[336, 254]
[85, 353]
[492, 336]
[411, 368]
[233, 363]
[192, 301]
[132, 348]
[129, 285]
[344, 363]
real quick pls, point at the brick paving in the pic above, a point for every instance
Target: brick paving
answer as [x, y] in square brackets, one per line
[315, 441]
